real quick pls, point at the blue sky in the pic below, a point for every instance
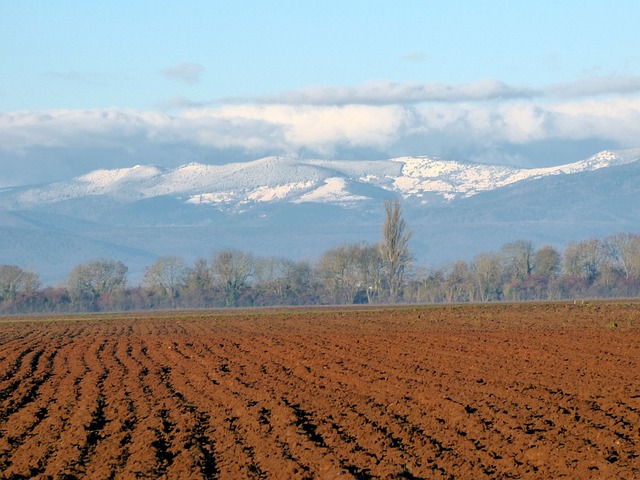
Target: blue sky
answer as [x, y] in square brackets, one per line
[87, 85]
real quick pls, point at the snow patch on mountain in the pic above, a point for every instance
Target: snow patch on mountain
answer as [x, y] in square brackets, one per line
[280, 192]
[334, 190]
[211, 198]
[105, 180]
[421, 175]
[261, 194]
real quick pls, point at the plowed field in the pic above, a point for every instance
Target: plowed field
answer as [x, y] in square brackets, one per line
[488, 391]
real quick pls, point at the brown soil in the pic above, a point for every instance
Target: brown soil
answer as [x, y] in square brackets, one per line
[488, 391]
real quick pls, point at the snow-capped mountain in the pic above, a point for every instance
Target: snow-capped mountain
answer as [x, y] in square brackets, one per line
[297, 181]
[301, 208]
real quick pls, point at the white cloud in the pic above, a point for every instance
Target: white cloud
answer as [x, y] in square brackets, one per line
[185, 72]
[324, 128]
[616, 118]
[476, 126]
[391, 93]
[603, 85]
[182, 103]
[386, 93]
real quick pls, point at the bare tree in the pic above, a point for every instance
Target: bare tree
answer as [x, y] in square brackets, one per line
[198, 291]
[271, 276]
[517, 259]
[370, 270]
[166, 275]
[352, 273]
[301, 283]
[394, 247]
[231, 269]
[547, 262]
[624, 251]
[337, 272]
[14, 280]
[90, 281]
[487, 269]
[583, 259]
[430, 284]
[281, 280]
[458, 283]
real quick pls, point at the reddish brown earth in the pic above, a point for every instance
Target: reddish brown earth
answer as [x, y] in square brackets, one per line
[492, 391]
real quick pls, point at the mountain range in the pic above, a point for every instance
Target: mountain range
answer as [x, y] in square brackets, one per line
[300, 208]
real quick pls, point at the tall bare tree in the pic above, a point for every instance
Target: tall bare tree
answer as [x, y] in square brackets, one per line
[395, 247]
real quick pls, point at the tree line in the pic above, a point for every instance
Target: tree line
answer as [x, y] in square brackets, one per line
[349, 273]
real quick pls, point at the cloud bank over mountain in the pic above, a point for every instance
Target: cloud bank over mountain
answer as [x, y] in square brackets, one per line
[486, 121]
